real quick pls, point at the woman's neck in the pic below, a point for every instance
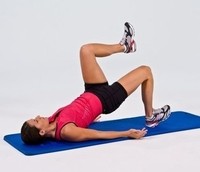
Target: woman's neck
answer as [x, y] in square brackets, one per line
[51, 131]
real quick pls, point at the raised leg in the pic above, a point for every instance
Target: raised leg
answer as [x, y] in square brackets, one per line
[91, 71]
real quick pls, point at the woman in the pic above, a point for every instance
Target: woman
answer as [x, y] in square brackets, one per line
[71, 122]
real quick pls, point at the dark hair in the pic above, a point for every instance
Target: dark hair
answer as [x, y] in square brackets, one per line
[30, 134]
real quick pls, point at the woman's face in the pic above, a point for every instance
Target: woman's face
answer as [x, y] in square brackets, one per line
[39, 122]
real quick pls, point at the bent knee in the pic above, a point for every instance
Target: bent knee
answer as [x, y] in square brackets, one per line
[85, 48]
[146, 70]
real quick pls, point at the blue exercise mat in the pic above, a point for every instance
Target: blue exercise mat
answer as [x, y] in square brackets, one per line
[178, 121]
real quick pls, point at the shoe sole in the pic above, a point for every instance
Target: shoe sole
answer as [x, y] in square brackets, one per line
[130, 28]
[158, 122]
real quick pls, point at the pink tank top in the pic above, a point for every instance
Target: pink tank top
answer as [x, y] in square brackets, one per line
[82, 112]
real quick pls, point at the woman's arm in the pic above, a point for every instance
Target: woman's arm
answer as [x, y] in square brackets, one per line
[71, 132]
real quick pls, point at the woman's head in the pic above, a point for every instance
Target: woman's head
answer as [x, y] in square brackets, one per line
[33, 130]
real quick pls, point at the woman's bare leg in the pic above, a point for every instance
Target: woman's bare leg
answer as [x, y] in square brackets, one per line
[91, 71]
[140, 76]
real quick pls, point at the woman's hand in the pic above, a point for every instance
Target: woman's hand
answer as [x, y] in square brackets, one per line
[137, 134]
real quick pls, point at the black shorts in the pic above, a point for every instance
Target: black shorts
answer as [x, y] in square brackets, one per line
[111, 96]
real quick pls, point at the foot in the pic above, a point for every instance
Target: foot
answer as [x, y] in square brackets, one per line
[159, 115]
[127, 40]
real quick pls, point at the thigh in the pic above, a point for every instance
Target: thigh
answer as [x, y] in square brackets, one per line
[135, 78]
[91, 71]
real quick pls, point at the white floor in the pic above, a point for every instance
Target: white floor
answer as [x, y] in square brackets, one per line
[40, 72]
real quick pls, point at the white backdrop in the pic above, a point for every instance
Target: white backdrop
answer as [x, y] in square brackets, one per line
[39, 52]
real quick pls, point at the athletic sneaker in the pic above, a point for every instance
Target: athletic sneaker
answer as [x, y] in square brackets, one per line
[159, 115]
[127, 39]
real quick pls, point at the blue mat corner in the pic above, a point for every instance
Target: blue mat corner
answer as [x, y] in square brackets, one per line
[178, 121]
